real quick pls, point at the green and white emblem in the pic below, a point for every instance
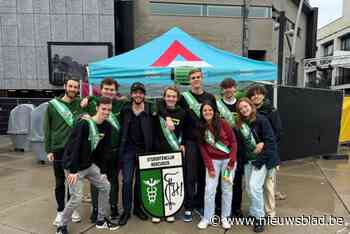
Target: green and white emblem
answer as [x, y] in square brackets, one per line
[162, 183]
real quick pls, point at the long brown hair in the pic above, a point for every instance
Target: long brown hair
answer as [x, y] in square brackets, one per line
[242, 118]
[216, 126]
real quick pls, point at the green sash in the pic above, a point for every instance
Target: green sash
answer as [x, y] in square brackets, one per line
[170, 136]
[249, 141]
[210, 139]
[94, 136]
[114, 121]
[192, 103]
[248, 137]
[63, 111]
[226, 113]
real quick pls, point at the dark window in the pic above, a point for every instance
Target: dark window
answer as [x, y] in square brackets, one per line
[176, 9]
[345, 43]
[260, 12]
[69, 59]
[344, 76]
[224, 11]
[328, 49]
[257, 54]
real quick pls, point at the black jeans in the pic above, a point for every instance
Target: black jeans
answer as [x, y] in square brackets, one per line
[194, 177]
[60, 178]
[237, 192]
[112, 176]
[129, 168]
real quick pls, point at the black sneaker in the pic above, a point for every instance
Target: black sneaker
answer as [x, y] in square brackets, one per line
[106, 224]
[124, 218]
[114, 212]
[140, 214]
[258, 226]
[62, 230]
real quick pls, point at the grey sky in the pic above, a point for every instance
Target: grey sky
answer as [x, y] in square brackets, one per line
[328, 10]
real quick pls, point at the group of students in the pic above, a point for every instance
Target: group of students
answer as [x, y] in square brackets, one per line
[221, 140]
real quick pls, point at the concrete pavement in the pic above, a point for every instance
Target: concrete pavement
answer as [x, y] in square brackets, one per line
[314, 187]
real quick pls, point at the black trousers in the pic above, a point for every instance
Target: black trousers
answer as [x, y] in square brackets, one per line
[60, 178]
[237, 192]
[194, 177]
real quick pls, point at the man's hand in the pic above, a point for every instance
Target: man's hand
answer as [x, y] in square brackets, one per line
[259, 147]
[169, 124]
[211, 173]
[183, 149]
[86, 116]
[72, 178]
[84, 102]
[50, 157]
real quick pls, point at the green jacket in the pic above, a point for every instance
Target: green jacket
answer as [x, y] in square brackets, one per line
[116, 108]
[56, 129]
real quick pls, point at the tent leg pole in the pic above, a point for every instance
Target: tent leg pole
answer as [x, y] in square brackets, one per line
[81, 88]
[90, 90]
[275, 97]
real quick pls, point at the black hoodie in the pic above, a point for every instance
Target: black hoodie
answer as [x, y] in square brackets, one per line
[78, 155]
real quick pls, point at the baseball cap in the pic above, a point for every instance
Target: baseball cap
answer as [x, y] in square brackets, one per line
[137, 86]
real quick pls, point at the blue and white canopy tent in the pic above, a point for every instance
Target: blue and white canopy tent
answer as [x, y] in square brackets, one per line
[153, 63]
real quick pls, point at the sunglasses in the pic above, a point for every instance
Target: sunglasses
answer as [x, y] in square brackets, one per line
[195, 77]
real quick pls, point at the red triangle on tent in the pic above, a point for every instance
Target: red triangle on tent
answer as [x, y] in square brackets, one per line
[175, 49]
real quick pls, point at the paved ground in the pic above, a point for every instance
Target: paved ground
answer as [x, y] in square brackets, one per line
[314, 187]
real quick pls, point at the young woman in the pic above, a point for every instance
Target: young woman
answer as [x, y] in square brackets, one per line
[218, 147]
[260, 156]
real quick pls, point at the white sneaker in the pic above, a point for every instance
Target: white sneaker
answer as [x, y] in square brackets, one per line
[155, 220]
[58, 219]
[170, 219]
[76, 217]
[203, 224]
[225, 224]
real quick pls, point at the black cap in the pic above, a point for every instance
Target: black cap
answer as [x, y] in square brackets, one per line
[137, 86]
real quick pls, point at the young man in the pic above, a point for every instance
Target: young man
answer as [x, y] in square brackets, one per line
[228, 104]
[169, 138]
[109, 88]
[136, 120]
[59, 119]
[191, 101]
[257, 95]
[86, 157]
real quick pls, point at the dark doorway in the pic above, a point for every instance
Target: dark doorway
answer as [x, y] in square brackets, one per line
[257, 54]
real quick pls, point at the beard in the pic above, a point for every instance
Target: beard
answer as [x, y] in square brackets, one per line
[71, 94]
[138, 101]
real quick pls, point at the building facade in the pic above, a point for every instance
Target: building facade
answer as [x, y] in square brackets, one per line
[28, 25]
[221, 23]
[30, 30]
[333, 42]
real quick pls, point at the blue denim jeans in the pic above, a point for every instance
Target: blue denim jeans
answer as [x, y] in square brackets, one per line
[254, 181]
[210, 190]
